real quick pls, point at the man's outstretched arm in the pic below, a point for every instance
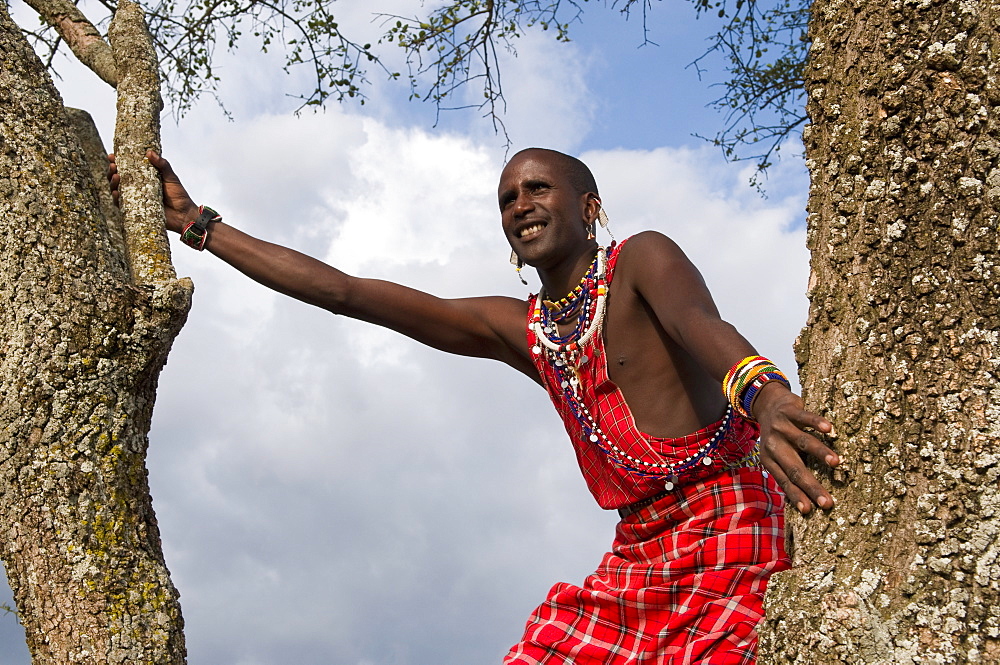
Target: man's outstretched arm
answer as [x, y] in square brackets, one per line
[489, 327]
[675, 290]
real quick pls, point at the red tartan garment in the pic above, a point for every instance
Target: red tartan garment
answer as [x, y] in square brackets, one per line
[685, 580]
[683, 583]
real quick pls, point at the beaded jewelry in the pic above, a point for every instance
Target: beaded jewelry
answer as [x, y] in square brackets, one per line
[602, 219]
[667, 472]
[588, 322]
[563, 305]
[195, 233]
[565, 355]
[515, 261]
[745, 379]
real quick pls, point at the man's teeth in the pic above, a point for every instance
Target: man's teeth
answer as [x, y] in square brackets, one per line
[534, 228]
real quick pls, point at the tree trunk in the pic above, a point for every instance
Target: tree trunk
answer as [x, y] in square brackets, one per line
[901, 348]
[83, 336]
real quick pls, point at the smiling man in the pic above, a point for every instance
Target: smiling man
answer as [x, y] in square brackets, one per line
[632, 352]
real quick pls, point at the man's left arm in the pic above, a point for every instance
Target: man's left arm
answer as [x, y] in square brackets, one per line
[677, 294]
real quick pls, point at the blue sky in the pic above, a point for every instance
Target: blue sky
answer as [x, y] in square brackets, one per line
[345, 495]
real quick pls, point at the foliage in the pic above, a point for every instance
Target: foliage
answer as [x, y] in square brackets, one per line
[457, 43]
[764, 45]
[764, 99]
[186, 32]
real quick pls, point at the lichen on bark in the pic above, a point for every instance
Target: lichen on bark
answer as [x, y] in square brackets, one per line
[901, 349]
[82, 342]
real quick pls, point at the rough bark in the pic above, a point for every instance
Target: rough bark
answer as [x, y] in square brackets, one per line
[901, 349]
[81, 346]
[137, 130]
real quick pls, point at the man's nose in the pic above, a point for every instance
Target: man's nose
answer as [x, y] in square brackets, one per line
[522, 205]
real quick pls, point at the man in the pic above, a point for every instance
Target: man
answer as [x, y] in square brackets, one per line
[633, 359]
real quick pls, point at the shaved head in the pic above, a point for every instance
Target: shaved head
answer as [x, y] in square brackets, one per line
[577, 172]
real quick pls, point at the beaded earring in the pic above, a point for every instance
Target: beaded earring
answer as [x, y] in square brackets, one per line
[515, 261]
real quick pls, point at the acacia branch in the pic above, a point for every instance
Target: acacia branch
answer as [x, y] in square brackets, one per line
[138, 129]
[83, 38]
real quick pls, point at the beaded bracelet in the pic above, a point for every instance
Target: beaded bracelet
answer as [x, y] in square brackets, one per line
[743, 373]
[747, 375]
[751, 392]
[745, 379]
[727, 383]
[765, 372]
[195, 233]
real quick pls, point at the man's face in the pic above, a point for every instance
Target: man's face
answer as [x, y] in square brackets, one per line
[543, 214]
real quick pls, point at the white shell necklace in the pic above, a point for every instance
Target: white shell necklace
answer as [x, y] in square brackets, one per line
[574, 343]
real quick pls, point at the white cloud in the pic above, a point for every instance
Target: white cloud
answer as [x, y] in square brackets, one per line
[417, 198]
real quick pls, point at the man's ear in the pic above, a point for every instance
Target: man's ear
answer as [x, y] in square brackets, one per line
[593, 208]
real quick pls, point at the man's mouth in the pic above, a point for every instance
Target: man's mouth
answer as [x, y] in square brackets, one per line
[530, 230]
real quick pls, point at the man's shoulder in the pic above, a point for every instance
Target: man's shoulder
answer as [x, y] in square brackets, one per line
[648, 246]
[650, 259]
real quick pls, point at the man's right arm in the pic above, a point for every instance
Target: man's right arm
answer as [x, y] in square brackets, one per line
[488, 327]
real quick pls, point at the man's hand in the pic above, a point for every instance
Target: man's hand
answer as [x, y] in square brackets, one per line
[178, 208]
[783, 424]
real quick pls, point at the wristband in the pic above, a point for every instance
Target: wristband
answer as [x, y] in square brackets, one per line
[195, 232]
[750, 395]
[745, 379]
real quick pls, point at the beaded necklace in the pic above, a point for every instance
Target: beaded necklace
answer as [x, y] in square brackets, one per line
[564, 354]
[563, 308]
[669, 473]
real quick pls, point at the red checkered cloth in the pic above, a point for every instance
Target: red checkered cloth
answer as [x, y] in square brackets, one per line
[684, 583]
[611, 485]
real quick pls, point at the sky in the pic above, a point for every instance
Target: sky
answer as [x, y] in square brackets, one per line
[332, 493]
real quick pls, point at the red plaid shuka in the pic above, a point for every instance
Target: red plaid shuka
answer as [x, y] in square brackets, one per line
[684, 583]
[685, 579]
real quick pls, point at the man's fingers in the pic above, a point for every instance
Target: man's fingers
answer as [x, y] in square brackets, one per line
[800, 485]
[114, 182]
[163, 166]
[795, 496]
[809, 419]
[801, 420]
[810, 445]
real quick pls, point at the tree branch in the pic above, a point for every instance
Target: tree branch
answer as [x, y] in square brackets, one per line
[137, 130]
[83, 38]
